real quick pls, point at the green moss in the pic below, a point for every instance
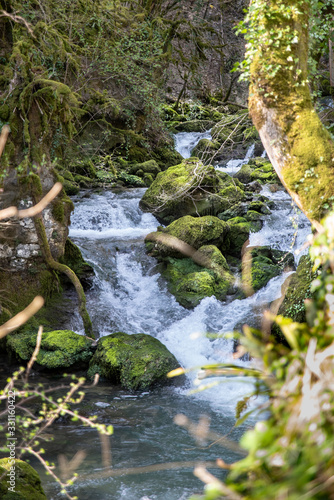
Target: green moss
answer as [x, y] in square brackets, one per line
[310, 171]
[199, 231]
[260, 207]
[238, 235]
[190, 188]
[295, 293]
[73, 258]
[266, 263]
[59, 349]
[131, 180]
[148, 167]
[135, 361]
[230, 195]
[70, 188]
[27, 482]
[58, 210]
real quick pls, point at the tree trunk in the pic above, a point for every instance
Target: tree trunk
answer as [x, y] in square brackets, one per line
[299, 147]
[331, 58]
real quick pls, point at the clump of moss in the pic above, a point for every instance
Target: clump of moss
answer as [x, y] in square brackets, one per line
[59, 349]
[136, 361]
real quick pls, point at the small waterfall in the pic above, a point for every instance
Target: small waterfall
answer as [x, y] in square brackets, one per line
[233, 166]
[186, 141]
[131, 296]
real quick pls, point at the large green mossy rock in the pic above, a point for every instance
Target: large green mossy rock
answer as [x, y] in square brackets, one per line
[190, 188]
[27, 482]
[59, 349]
[194, 126]
[190, 282]
[265, 264]
[136, 361]
[295, 293]
[194, 231]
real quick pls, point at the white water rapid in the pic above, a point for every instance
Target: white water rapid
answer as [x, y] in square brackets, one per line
[130, 295]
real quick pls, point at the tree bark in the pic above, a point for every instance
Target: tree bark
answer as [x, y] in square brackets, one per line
[299, 147]
[331, 58]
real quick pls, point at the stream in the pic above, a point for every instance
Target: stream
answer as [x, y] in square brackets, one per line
[130, 295]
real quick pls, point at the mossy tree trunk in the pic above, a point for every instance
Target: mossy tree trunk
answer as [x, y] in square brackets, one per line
[298, 145]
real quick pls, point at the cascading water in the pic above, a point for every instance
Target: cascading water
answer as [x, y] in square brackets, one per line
[130, 295]
[186, 141]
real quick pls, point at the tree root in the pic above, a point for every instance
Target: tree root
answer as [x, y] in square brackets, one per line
[62, 268]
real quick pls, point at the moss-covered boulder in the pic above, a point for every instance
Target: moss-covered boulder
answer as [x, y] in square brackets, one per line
[191, 282]
[190, 188]
[59, 349]
[244, 175]
[136, 361]
[257, 169]
[73, 259]
[148, 167]
[261, 264]
[27, 484]
[194, 231]
[295, 293]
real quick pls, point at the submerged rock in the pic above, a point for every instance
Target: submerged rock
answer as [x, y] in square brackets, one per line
[59, 348]
[135, 361]
[190, 188]
[27, 481]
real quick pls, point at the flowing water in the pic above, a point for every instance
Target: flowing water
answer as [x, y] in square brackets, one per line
[130, 295]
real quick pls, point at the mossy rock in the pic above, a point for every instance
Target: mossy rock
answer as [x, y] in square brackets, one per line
[148, 167]
[298, 289]
[59, 349]
[194, 231]
[252, 216]
[27, 482]
[84, 181]
[70, 188]
[205, 150]
[190, 188]
[238, 235]
[261, 170]
[260, 207]
[138, 154]
[136, 361]
[195, 126]
[167, 156]
[131, 180]
[194, 287]
[230, 195]
[237, 210]
[244, 175]
[266, 263]
[73, 259]
[190, 282]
